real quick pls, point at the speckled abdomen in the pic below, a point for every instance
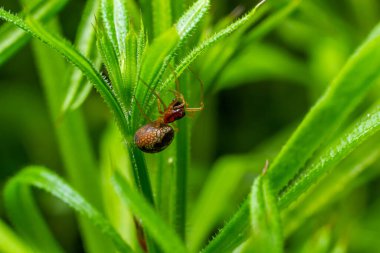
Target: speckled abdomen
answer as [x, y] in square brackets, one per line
[154, 137]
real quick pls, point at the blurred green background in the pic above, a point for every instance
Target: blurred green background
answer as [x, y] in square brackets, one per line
[263, 92]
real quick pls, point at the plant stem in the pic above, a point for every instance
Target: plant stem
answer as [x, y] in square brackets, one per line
[180, 179]
[142, 182]
[140, 172]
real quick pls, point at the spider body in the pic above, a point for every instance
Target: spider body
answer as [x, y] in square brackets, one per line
[175, 111]
[157, 135]
[154, 137]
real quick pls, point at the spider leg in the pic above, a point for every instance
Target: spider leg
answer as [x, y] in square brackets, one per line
[195, 109]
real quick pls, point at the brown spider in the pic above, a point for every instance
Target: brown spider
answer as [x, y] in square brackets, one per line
[158, 134]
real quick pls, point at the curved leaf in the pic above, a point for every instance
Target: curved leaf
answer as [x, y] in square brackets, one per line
[79, 88]
[221, 184]
[80, 167]
[210, 42]
[346, 91]
[76, 58]
[30, 224]
[335, 152]
[12, 39]
[343, 179]
[342, 96]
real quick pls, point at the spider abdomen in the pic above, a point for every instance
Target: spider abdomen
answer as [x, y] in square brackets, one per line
[154, 137]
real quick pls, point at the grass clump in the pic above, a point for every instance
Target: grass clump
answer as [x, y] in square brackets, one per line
[129, 51]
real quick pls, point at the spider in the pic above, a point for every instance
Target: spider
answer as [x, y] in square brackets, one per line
[158, 134]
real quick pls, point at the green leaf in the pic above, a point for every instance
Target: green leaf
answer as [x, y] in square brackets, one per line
[342, 180]
[12, 39]
[30, 224]
[76, 58]
[162, 16]
[10, 242]
[221, 187]
[115, 22]
[79, 88]
[114, 158]
[162, 50]
[152, 222]
[130, 66]
[346, 91]
[111, 61]
[208, 43]
[156, 55]
[265, 224]
[238, 226]
[265, 219]
[113, 33]
[192, 17]
[146, 9]
[334, 153]
[342, 96]
[134, 12]
[80, 167]
[271, 22]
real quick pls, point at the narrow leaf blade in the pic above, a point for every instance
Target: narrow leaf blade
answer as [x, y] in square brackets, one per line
[342, 96]
[265, 219]
[12, 39]
[154, 224]
[18, 198]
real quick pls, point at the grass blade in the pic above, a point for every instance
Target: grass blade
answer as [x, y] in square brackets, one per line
[85, 42]
[221, 185]
[12, 39]
[237, 226]
[342, 180]
[265, 219]
[162, 16]
[354, 80]
[271, 22]
[156, 227]
[162, 50]
[108, 19]
[80, 167]
[346, 91]
[210, 42]
[114, 158]
[76, 58]
[18, 198]
[192, 17]
[334, 153]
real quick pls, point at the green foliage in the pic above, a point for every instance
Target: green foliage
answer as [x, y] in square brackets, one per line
[152, 222]
[12, 39]
[134, 52]
[265, 219]
[18, 198]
